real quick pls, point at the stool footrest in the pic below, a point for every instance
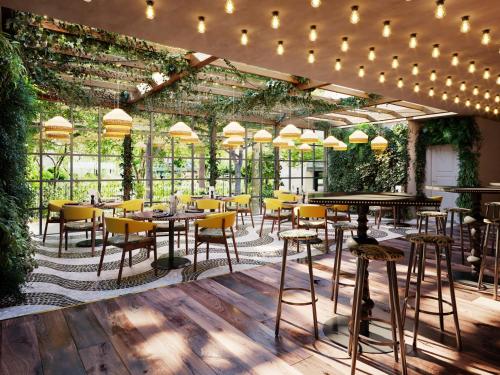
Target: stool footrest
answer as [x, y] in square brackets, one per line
[297, 303]
[369, 341]
[427, 311]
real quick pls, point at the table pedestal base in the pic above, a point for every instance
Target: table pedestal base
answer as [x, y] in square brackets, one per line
[88, 243]
[163, 263]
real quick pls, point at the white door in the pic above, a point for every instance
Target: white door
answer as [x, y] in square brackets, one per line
[442, 169]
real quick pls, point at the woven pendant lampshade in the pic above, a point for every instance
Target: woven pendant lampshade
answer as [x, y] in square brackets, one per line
[262, 136]
[118, 129]
[233, 128]
[304, 147]
[309, 136]
[330, 141]
[235, 140]
[290, 132]
[57, 136]
[288, 146]
[227, 146]
[358, 136]
[113, 135]
[117, 116]
[58, 124]
[191, 139]
[280, 142]
[179, 129]
[379, 143]
[341, 146]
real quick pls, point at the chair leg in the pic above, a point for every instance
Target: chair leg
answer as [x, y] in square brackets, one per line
[60, 240]
[439, 287]
[313, 294]
[357, 318]
[354, 307]
[102, 254]
[282, 286]
[483, 258]
[402, 347]
[228, 255]
[453, 299]
[379, 217]
[461, 224]
[272, 228]
[420, 250]
[46, 227]
[121, 267]
[186, 239]
[327, 248]
[242, 218]
[338, 261]
[261, 226]
[392, 310]
[497, 254]
[395, 215]
[411, 262]
[130, 258]
[195, 254]
[92, 236]
[65, 240]
[178, 239]
[155, 255]
[251, 218]
[452, 222]
[207, 250]
[234, 245]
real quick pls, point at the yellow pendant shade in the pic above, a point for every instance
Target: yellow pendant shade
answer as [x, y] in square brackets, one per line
[57, 135]
[233, 128]
[113, 135]
[290, 132]
[226, 145]
[262, 136]
[179, 129]
[379, 143]
[288, 146]
[117, 116]
[358, 137]
[330, 141]
[191, 139]
[304, 147]
[309, 136]
[235, 140]
[58, 124]
[280, 142]
[118, 129]
[341, 146]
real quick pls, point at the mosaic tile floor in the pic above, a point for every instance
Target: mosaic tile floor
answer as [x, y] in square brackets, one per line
[72, 279]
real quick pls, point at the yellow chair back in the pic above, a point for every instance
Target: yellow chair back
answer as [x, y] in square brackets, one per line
[278, 192]
[242, 199]
[311, 211]
[272, 204]
[287, 197]
[119, 225]
[208, 204]
[185, 199]
[217, 220]
[55, 205]
[133, 205]
[438, 198]
[160, 206]
[75, 213]
[341, 207]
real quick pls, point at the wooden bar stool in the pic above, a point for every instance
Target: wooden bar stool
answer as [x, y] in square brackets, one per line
[438, 216]
[441, 243]
[461, 212]
[364, 254]
[307, 238]
[339, 240]
[496, 225]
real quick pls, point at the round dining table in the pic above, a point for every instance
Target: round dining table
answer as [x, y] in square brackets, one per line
[170, 261]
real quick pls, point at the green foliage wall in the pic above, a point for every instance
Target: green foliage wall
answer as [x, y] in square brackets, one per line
[17, 110]
[464, 135]
[127, 176]
[361, 169]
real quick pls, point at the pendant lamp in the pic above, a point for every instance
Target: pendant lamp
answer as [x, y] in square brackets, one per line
[379, 143]
[233, 128]
[58, 124]
[358, 136]
[290, 132]
[309, 136]
[304, 147]
[191, 139]
[235, 140]
[280, 142]
[330, 141]
[117, 116]
[341, 146]
[263, 136]
[179, 129]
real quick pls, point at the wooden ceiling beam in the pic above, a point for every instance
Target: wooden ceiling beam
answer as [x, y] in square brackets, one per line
[359, 115]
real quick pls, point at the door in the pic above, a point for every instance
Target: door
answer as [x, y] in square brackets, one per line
[441, 169]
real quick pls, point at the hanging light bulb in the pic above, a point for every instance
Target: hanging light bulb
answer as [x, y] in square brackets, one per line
[201, 25]
[454, 59]
[371, 54]
[354, 14]
[497, 98]
[463, 86]
[315, 3]
[414, 70]
[416, 87]
[495, 111]
[431, 92]
[487, 94]
[478, 106]
[150, 10]
[486, 38]
[433, 76]
[275, 20]
[498, 79]
[467, 103]
[465, 26]
[472, 67]
[456, 100]
[381, 77]
[361, 71]
[448, 81]
[310, 57]
[440, 11]
[229, 7]
[244, 37]
[444, 96]
[413, 41]
[400, 82]
[386, 30]
[338, 65]
[475, 91]
[344, 46]
[281, 48]
[486, 73]
[435, 51]
[487, 108]
[313, 33]
[395, 62]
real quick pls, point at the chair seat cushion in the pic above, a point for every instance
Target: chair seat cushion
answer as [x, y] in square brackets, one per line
[132, 238]
[312, 223]
[79, 225]
[377, 252]
[179, 226]
[458, 209]
[345, 226]
[281, 215]
[432, 213]
[297, 234]
[213, 232]
[438, 239]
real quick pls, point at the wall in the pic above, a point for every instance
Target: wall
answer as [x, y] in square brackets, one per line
[489, 161]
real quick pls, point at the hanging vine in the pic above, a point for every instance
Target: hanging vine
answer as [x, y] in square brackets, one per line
[127, 175]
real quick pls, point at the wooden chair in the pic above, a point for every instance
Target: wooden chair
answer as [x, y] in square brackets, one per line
[76, 219]
[242, 205]
[288, 197]
[125, 236]
[186, 201]
[53, 213]
[379, 212]
[213, 230]
[179, 226]
[313, 217]
[335, 217]
[130, 207]
[273, 210]
[278, 192]
[209, 204]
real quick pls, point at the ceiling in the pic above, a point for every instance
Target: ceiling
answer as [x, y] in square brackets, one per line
[175, 24]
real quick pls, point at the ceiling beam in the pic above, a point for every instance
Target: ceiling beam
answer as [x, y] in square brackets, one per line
[359, 115]
[90, 82]
[394, 114]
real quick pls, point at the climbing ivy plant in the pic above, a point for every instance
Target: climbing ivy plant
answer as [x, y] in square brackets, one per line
[126, 164]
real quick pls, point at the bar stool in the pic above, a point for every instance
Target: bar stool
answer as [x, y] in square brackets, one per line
[441, 243]
[308, 238]
[439, 217]
[461, 212]
[390, 255]
[339, 240]
[494, 207]
[496, 224]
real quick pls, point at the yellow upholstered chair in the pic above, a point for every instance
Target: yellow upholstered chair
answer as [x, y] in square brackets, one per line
[242, 205]
[209, 204]
[278, 192]
[311, 216]
[160, 207]
[273, 210]
[125, 236]
[288, 197]
[186, 200]
[131, 206]
[53, 213]
[339, 212]
[79, 219]
[213, 229]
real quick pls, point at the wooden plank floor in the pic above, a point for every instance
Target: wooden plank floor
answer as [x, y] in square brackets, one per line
[225, 325]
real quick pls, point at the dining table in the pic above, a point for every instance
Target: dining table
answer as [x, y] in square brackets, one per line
[337, 328]
[169, 261]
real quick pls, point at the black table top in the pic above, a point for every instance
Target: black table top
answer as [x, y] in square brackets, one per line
[492, 189]
[372, 199]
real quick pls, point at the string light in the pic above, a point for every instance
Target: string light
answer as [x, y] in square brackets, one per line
[454, 59]
[201, 25]
[313, 33]
[498, 79]
[395, 62]
[275, 20]
[497, 98]
[413, 40]
[467, 103]
[487, 108]
[444, 96]
[386, 30]
[449, 81]
[433, 76]
[456, 100]
[435, 51]
[486, 73]
[381, 77]
[310, 57]
[440, 11]
[229, 7]
[487, 94]
[354, 14]
[416, 87]
[400, 82]
[495, 111]
[361, 71]
[475, 90]
[414, 70]
[463, 86]
[486, 38]
[371, 54]
[344, 46]
[150, 10]
[472, 67]
[338, 65]
[478, 106]
[315, 3]
[465, 26]
[244, 37]
[431, 92]
[280, 50]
